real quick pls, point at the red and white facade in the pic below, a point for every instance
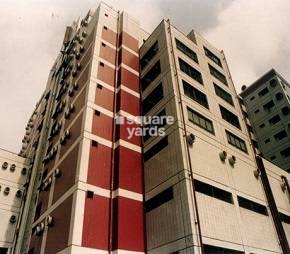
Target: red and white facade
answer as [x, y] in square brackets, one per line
[91, 183]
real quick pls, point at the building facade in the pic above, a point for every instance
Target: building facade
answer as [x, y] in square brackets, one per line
[267, 102]
[13, 180]
[86, 190]
[94, 188]
[203, 191]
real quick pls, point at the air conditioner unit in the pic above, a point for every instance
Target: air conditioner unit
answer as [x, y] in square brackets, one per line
[24, 171]
[232, 160]
[12, 167]
[67, 133]
[5, 165]
[283, 186]
[70, 91]
[190, 139]
[49, 220]
[6, 191]
[72, 108]
[18, 193]
[84, 34]
[57, 173]
[79, 66]
[74, 73]
[62, 140]
[81, 40]
[78, 55]
[82, 49]
[66, 114]
[256, 173]
[39, 228]
[12, 219]
[223, 155]
[75, 85]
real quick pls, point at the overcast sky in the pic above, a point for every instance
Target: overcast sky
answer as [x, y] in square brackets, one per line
[254, 35]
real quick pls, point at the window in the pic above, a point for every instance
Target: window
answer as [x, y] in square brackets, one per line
[37, 211]
[286, 152]
[280, 135]
[218, 75]
[212, 191]
[158, 200]
[273, 82]
[273, 157]
[251, 205]
[252, 98]
[284, 218]
[223, 94]
[212, 56]
[186, 50]
[152, 51]
[257, 111]
[195, 94]
[230, 117]
[279, 96]
[208, 249]
[200, 120]
[152, 99]
[151, 75]
[263, 92]
[156, 148]
[285, 111]
[236, 141]
[275, 119]
[190, 71]
[267, 140]
[269, 105]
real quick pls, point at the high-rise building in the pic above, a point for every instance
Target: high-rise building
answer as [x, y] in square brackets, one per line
[203, 191]
[267, 101]
[86, 187]
[13, 180]
[95, 188]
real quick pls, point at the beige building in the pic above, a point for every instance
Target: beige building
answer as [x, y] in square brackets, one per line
[13, 182]
[203, 191]
[267, 101]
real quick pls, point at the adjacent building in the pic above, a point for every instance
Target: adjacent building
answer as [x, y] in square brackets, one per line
[206, 190]
[267, 101]
[86, 188]
[94, 188]
[13, 180]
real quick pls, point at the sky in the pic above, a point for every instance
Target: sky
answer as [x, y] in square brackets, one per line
[253, 34]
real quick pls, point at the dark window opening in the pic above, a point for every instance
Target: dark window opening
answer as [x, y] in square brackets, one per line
[212, 56]
[269, 105]
[275, 119]
[223, 94]
[218, 75]
[286, 152]
[37, 211]
[195, 94]
[284, 218]
[279, 96]
[285, 111]
[186, 50]
[190, 71]
[280, 135]
[158, 200]
[263, 92]
[156, 149]
[200, 120]
[267, 140]
[148, 56]
[273, 157]
[252, 98]
[208, 249]
[230, 117]
[257, 111]
[152, 99]
[262, 125]
[212, 191]
[253, 206]
[151, 75]
[90, 194]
